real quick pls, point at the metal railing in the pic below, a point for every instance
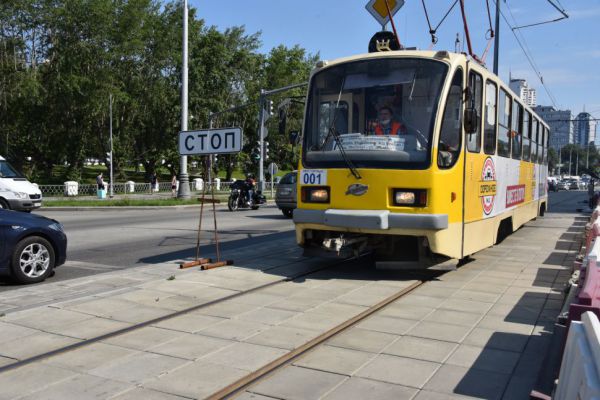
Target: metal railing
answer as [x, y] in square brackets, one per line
[127, 188]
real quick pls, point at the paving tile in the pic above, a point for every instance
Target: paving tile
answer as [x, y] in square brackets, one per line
[246, 356]
[266, 315]
[335, 359]
[499, 324]
[11, 332]
[418, 300]
[233, 329]
[362, 339]
[33, 345]
[491, 339]
[486, 359]
[421, 348]
[190, 322]
[196, 380]
[360, 389]
[474, 295]
[314, 321]
[90, 328]
[298, 383]
[89, 357]
[428, 395]
[144, 338]
[138, 393]
[453, 379]
[454, 317]
[465, 305]
[80, 387]
[191, 346]
[297, 303]
[405, 311]
[226, 309]
[398, 370]
[434, 291]
[138, 367]
[519, 388]
[46, 318]
[438, 331]
[339, 310]
[391, 325]
[283, 337]
[30, 378]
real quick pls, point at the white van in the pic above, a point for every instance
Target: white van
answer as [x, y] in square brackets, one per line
[16, 192]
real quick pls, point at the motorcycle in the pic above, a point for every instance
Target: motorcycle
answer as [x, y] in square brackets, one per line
[239, 196]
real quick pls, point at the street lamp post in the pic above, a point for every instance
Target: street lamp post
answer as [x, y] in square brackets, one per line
[184, 180]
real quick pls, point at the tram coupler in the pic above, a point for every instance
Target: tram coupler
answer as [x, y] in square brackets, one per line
[190, 264]
[216, 264]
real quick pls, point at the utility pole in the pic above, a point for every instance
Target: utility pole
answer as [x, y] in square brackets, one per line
[184, 180]
[111, 194]
[261, 139]
[210, 157]
[577, 164]
[570, 154]
[559, 160]
[497, 37]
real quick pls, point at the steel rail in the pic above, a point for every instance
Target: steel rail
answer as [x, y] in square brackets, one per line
[86, 342]
[258, 375]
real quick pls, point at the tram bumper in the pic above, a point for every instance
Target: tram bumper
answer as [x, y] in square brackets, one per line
[389, 235]
[370, 219]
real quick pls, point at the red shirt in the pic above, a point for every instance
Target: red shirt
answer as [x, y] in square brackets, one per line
[395, 128]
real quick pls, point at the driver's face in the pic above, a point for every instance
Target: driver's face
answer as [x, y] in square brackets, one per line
[385, 114]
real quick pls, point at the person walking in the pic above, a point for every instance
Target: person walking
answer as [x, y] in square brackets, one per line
[154, 183]
[100, 182]
[174, 185]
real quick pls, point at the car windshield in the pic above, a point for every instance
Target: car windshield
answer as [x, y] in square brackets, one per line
[289, 179]
[7, 171]
[378, 112]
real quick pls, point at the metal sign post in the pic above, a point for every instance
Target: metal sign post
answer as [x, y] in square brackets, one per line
[273, 169]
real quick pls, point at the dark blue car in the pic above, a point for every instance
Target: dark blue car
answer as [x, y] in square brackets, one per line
[31, 246]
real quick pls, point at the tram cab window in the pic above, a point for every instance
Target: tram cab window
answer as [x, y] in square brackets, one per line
[490, 119]
[526, 136]
[504, 120]
[376, 113]
[451, 129]
[476, 86]
[517, 122]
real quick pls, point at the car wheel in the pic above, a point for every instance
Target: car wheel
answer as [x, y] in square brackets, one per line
[32, 260]
[4, 204]
[255, 207]
[288, 212]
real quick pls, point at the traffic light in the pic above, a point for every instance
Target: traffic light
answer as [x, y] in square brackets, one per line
[266, 150]
[270, 108]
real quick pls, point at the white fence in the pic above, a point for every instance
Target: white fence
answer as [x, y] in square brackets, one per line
[580, 369]
[125, 188]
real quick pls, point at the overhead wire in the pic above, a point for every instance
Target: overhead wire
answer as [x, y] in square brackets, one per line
[528, 55]
[433, 31]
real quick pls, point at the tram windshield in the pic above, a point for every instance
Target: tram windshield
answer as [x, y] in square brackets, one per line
[376, 113]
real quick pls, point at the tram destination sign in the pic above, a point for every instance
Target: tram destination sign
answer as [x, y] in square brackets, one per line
[210, 141]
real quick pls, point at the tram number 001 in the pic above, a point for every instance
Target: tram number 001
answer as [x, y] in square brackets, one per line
[313, 177]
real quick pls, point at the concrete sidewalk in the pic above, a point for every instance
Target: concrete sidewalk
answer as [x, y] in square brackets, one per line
[480, 331]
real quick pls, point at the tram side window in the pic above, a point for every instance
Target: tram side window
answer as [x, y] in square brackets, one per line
[450, 134]
[544, 149]
[534, 139]
[476, 85]
[546, 142]
[490, 126]
[517, 120]
[504, 110]
[526, 136]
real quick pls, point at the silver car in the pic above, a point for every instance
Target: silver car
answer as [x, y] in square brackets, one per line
[285, 198]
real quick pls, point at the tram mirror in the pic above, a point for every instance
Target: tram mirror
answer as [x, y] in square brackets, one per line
[294, 137]
[471, 120]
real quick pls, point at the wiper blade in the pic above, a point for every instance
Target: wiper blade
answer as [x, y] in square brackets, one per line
[336, 136]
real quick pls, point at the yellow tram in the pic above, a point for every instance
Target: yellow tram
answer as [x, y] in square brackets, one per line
[417, 156]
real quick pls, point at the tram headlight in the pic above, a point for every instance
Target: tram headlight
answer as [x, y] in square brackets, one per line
[315, 194]
[410, 197]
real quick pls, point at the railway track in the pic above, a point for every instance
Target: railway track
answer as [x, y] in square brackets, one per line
[237, 387]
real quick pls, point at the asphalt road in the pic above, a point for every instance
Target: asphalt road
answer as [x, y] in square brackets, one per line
[101, 240]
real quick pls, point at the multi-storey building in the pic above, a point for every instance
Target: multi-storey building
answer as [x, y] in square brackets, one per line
[561, 127]
[522, 89]
[585, 128]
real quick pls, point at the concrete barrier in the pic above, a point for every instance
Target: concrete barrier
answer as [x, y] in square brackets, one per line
[579, 376]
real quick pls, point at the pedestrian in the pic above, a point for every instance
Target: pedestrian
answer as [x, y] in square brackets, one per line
[174, 185]
[154, 183]
[100, 182]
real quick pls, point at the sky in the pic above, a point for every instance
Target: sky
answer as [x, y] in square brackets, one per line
[566, 53]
